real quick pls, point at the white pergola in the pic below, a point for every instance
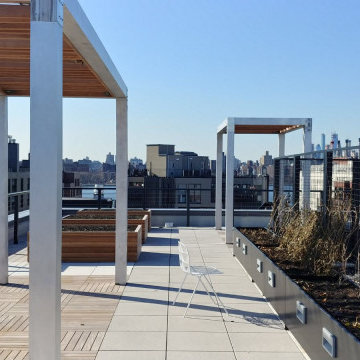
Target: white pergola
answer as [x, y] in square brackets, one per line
[49, 50]
[234, 125]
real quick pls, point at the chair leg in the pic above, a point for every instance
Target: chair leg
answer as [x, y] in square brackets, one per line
[208, 292]
[180, 288]
[217, 297]
[192, 295]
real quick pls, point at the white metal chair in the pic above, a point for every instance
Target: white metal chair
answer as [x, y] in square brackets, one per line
[201, 272]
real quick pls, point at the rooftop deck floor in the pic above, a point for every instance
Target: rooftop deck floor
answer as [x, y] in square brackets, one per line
[103, 321]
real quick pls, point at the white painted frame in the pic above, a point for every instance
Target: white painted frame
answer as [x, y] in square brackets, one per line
[228, 127]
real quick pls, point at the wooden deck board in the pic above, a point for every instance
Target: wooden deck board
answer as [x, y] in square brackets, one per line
[88, 304]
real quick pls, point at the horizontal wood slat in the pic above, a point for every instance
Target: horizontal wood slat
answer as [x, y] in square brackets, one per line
[79, 78]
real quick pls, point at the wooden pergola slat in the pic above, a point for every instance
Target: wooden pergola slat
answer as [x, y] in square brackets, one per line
[80, 80]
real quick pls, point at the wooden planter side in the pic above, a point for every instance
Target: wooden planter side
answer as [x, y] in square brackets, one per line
[87, 246]
[142, 213]
[144, 226]
[97, 246]
[134, 244]
[143, 222]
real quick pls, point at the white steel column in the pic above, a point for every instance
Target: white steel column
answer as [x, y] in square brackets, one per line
[46, 91]
[282, 144]
[306, 166]
[281, 154]
[218, 194]
[121, 191]
[229, 202]
[3, 190]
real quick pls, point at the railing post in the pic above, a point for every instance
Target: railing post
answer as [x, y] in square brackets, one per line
[99, 198]
[328, 178]
[144, 197]
[16, 219]
[276, 180]
[324, 193]
[296, 184]
[187, 207]
[355, 190]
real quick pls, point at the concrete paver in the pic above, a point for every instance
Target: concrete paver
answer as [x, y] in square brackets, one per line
[147, 326]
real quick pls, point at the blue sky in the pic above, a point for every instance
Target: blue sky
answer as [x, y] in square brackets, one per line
[189, 64]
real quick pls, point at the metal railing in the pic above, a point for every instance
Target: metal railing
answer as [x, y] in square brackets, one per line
[15, 196]
[329, 176]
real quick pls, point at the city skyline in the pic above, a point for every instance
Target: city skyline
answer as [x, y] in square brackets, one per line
[316, 146]
[181, 90]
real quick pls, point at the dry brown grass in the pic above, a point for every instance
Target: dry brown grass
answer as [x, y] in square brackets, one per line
[314, 240]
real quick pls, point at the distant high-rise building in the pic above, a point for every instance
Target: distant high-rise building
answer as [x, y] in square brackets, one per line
[348, 145]
[13, 155]
[137, 164]
[163, 161]
[322, 141]
[110, 159]
[85, 161]
[266, 159]
[334, 140]
[67, 161]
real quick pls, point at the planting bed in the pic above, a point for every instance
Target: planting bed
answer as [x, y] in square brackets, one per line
[333, 293]
[106, 217]
[131, 212]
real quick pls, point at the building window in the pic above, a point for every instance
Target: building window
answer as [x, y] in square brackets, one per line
[21, 200]
[22, 184]
[181, 194]
[195, 193]
[14, 185]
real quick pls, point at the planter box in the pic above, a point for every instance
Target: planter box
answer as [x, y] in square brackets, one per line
[143, 222]
[291, 303]
[96, 246]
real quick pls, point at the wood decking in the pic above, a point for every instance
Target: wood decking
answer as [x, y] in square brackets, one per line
[88, 304]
